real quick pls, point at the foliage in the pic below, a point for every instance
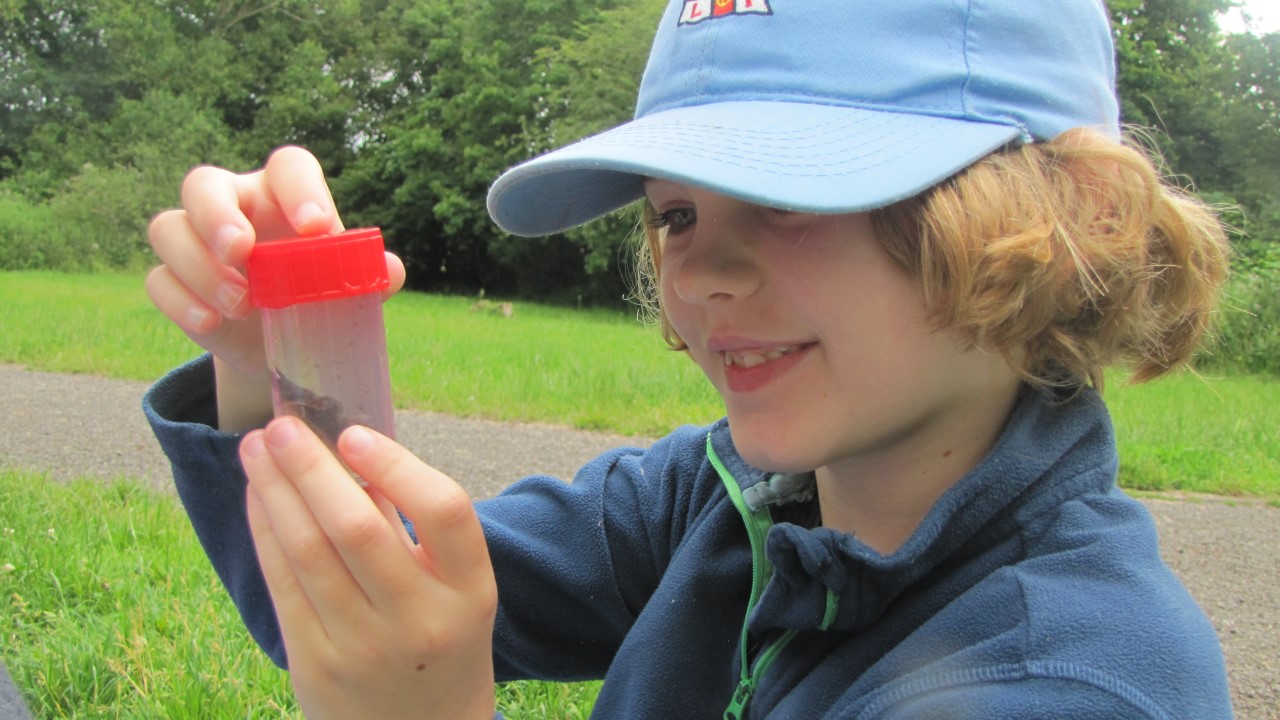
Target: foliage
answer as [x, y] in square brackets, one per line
[415, 106]
[1168, 52]
[470, 67]
[109, 609]
[589, 83]
[1249, 127]
[28, 237]
[1209, 101]
[1248, 332]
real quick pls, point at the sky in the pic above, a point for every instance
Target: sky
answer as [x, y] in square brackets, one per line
[1266, 17]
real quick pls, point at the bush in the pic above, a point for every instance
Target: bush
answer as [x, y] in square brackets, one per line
[103, 216]
[28, 237]
[87, 203]
[1248, 332]
[99, 221]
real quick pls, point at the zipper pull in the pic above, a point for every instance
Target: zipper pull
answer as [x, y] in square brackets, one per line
[738, 705]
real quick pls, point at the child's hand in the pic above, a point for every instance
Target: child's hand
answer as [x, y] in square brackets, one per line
[374, 625]
[204, 247]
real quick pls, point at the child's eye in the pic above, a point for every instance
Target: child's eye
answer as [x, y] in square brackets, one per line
[676, 220]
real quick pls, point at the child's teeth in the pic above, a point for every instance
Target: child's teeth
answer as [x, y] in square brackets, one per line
[752, 359]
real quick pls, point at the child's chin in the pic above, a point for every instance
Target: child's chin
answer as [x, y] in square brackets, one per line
[765, 456]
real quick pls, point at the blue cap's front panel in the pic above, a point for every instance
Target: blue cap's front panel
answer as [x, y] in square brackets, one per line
[862, 54]
[1031, 65]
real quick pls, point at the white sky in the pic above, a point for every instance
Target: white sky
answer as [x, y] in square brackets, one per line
[1265, 17]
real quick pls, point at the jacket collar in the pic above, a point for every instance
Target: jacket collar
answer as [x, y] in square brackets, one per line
[1050, 450]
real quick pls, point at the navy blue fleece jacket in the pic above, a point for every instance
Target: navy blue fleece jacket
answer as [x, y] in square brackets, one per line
[1032, 589]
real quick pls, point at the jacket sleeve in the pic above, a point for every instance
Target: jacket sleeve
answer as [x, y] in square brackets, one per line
[576, 562]
[1049, 691]
[181, 408]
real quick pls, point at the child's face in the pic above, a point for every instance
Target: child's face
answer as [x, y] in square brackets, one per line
[818, 343]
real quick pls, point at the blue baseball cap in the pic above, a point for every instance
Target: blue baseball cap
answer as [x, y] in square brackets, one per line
[828, 106]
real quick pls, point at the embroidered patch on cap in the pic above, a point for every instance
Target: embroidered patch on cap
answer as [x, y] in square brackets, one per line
[695, 11]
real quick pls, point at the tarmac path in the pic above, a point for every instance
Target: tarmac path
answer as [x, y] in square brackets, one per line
[1226, 551]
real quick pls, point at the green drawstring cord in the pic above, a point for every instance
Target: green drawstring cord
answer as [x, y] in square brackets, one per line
[747, 687]
[832, 611]
[758, 523]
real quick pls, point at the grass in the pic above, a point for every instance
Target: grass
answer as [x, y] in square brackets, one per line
[109, 609]
[605, 371]
[1214, 434]
[596, 370]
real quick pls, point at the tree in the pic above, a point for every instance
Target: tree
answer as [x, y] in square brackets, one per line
[110, 102]
[588, 83]
[415, 106]
[1250, 133]
[55, 69]
[1170, 63]
[1210, 99]
[459, 100]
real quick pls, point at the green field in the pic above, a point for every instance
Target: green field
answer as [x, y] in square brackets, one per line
[110, 609]
[588, 369]
[606, 371]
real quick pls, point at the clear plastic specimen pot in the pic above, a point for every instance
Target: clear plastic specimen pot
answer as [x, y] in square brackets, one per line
[321, 304]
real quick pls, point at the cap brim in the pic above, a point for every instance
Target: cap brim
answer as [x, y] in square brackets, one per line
[795, 156]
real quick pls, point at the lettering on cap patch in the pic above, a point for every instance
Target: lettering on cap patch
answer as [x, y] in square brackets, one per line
[695, 11]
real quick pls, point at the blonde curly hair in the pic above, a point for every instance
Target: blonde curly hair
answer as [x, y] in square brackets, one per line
[1066, 257]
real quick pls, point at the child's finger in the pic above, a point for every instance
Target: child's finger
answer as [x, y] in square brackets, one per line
[395, 273]
[297, 617]
[229, 212]
[218, 287]
[218, 203]
[370, 538]
[443, 516]
[177, 302]
[321, 571]
[296, 180]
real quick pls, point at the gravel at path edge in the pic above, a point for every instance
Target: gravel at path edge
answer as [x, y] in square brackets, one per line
[1226, 552]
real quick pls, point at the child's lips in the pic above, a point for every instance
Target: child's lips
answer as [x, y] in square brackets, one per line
[757, 356]
[750, 369]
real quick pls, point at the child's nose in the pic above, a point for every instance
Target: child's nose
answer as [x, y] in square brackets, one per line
[718, 265]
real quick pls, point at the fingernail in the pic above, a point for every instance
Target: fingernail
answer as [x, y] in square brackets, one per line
[282, 433]
[226, 239]
[230, 295]
[357, 440]
[308, 213]
[197, 318]
[252, 446]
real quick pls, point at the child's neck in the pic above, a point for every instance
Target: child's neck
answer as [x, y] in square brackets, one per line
[882, 497]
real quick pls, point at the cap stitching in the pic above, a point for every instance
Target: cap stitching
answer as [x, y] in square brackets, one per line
[886, 156]
[968, 69]
[658, 136]
[823, 99]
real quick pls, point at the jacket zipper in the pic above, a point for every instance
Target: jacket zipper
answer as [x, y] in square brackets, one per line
[758, 524]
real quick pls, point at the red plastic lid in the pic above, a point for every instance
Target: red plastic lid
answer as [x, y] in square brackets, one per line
[319, 267]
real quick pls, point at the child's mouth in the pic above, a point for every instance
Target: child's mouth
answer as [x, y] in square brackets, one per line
[751, 358]
[750, 370]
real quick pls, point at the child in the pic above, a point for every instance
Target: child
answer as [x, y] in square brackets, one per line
[902, 240]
